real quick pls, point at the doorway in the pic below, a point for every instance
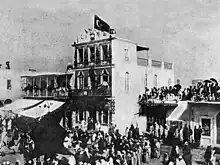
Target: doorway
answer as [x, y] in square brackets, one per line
[218, 127]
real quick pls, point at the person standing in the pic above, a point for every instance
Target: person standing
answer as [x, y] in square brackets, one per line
[185, 133]
[199, 134]
[187, 155]
[195, 135]
[208, 155]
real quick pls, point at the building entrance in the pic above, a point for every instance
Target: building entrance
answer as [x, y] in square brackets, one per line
[218, 127]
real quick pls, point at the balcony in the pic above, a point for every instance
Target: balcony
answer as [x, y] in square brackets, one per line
[97, 63]
[65, 93]
[55, 94]
[102, 91]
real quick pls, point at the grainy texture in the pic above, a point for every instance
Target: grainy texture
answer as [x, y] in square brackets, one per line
[38, 33]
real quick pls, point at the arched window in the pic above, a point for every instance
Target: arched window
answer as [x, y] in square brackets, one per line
[80, 83]
[105, 76]
[169, 82]
[155, 80]
[127, 82]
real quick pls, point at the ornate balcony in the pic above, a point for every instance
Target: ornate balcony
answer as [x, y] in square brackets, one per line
[100, 91]
[97, 63]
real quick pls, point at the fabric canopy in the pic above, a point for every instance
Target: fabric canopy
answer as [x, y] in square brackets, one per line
[20, 104]
[42, 109]
[180, 113]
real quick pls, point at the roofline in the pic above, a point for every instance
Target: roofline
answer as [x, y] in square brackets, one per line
[110, 39]
[208, 102]
[44, 74]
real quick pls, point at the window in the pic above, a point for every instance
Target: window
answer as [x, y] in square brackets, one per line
[155, 80]
[105, 52]
[127, 82]
[86, 60]
[98, 58]
[169, 82]
[9, 85]
[105, 117]
[80, 80]
[105, 76]
[79, 116]
[80, 55]
[206, 126]
[126, 54]
[92, 54]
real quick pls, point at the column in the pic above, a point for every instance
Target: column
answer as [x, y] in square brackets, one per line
[77, 55]
[83, 56]
[33, 87]
[97, 116]
[73, 118]
[101, 53]
[89, 55]
[47, 86]
[64, 119]
[40, 87]
[95, 47]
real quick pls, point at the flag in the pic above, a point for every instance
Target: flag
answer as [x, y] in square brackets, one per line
[101, 25]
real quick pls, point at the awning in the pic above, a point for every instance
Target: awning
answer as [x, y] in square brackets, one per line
[21, 104]
[180, 113]
[42, 109]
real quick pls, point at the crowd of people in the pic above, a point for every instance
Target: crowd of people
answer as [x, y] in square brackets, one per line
[207, 90]
[93, 146]
[96, 147]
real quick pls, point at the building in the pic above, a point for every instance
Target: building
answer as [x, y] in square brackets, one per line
[126, 69]
[107, 76]
[10, 85]
[205, 114]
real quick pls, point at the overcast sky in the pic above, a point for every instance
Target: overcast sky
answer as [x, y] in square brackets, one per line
[39, 33]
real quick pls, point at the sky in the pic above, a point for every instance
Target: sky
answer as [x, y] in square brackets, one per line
[38, 33]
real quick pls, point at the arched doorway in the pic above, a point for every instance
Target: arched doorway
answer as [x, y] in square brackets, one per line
[218, 127]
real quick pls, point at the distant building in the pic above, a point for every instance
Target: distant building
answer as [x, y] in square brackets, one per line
[10, 85]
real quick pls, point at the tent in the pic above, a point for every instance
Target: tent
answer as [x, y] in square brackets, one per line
[41, 119]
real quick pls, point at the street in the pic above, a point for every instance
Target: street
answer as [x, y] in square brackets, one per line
[197, 158]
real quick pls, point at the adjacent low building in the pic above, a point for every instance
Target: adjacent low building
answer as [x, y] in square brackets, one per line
[204, 114]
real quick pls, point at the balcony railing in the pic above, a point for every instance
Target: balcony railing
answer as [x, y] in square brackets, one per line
[92, 63]
[91, 92]
[64, 92]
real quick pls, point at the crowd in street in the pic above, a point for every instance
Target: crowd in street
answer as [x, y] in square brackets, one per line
[207, 90]
[93, 146]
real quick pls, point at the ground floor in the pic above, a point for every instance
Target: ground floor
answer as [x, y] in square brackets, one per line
[100, 109]
[156, 113]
